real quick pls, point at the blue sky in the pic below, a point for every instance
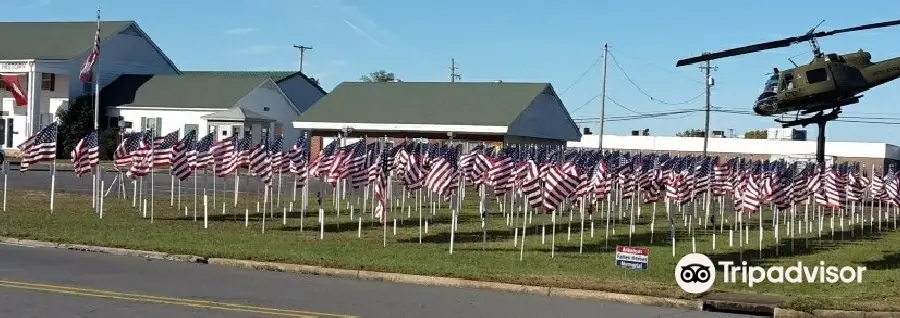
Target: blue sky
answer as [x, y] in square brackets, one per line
[522, 40]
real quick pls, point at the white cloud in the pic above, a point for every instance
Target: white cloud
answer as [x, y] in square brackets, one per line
[257, 50]
[240, 31]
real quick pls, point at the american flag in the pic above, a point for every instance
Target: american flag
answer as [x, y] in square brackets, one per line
[443, 178]
[280, 160]
[125, 149]
[204, 153]
[142, 157]
[88, 66]
[86, 154]
[261, 160]
[39, 147]
[223, 154]
[185, 155]
[379, 187]
[162, 149]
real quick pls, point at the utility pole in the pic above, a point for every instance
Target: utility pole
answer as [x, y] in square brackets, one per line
[453, 75]
[302, 53]
[709, 84]
[603, 97]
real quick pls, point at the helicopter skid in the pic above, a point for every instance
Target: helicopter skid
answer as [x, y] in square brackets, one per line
[819, 118]
[840, 103]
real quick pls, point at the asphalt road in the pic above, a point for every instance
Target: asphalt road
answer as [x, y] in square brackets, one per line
[48, 282]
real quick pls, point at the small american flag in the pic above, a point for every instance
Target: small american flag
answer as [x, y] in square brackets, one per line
[261, 160]
[185, 155]
[162, 149]
[39, 147]
[86, 154]
[204, 153]
[142, 157]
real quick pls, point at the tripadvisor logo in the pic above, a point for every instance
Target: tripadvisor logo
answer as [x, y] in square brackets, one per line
[695, 273]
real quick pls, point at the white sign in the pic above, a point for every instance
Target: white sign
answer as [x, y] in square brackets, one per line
[15, 67]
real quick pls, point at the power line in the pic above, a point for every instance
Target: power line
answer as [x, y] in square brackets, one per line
[583, 74]
[847, 119]
[633, 83]
[645, 62]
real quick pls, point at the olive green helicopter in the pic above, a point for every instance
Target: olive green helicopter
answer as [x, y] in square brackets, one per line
[828, 82]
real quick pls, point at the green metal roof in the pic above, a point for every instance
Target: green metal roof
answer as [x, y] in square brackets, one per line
[276, 76]
[53, 40]
[435, 103]
[189, 90]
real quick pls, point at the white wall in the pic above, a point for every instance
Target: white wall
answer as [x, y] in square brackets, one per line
[546, 117]
[171, 119]
[268, 95]
[737, 145]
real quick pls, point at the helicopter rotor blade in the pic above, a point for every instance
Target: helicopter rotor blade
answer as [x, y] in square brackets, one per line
[858, 28]
[779, 43]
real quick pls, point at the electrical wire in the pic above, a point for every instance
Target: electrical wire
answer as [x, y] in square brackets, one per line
[581, 77]
[645, 62]
[633, 83]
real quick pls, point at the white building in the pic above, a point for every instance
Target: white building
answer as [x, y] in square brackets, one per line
[222, 102]
[866, 152]
[140, 86]
[47, 56]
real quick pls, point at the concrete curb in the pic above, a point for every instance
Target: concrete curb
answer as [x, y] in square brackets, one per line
[433, 280]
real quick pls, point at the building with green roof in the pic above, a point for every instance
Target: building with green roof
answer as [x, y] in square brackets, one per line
[140, 86]
[488, 111]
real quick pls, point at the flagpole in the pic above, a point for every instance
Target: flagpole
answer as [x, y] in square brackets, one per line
[96, 78]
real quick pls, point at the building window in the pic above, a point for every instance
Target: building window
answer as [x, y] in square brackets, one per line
[48, 81]
[817, 76]
[154, 124]
[236, 130]
[190, 127]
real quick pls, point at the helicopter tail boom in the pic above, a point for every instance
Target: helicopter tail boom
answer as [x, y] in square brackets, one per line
[882, 72]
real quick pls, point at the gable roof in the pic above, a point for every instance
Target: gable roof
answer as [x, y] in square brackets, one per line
[276, 76]
[435, 103]
[192, 90]
[53, 40]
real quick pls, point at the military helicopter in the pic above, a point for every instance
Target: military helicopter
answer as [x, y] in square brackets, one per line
[829, 81]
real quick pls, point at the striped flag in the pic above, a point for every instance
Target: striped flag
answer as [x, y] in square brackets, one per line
[261, 160]
[142, 157]
[86, 154]
[162, 149]
[185, 155]
[87, 68]
[39, 147]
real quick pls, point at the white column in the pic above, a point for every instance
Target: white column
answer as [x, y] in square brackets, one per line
[34, 103]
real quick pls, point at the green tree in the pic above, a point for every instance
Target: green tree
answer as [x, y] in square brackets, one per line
[76, 121]
[691, 133]
[380, 76]
[756, 134]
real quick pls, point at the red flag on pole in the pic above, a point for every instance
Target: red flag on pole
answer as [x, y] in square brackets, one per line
[14, 87]
[88, 65]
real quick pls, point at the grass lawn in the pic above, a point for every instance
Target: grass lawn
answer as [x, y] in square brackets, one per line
[496, 260]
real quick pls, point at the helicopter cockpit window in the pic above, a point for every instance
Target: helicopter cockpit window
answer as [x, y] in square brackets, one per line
[788, 82]
[771, 84]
